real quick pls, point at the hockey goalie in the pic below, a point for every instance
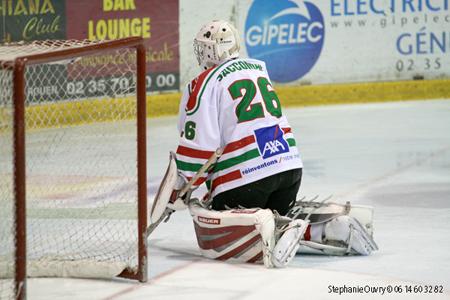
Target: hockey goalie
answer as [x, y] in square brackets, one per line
[235, 138]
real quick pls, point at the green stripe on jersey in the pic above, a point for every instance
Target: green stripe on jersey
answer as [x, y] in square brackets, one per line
[291, 142]
[228, 163]
[231, 162]
[185, 166]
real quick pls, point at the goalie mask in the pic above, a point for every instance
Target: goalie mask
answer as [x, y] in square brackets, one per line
[216, 42]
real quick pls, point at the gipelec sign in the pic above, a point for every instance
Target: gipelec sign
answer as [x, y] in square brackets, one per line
[287, 34]
[385, 7]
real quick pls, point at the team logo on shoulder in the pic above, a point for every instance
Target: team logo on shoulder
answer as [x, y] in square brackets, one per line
[196, 90]
[271, 141]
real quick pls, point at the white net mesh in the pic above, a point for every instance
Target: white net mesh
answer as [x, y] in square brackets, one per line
[81, 162]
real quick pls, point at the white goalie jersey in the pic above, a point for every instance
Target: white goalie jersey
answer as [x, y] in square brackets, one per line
[233, 106]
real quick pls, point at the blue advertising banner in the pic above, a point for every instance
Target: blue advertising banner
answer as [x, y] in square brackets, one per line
[305, 41]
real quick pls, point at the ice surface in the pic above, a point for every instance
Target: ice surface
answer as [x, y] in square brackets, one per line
[393, 156]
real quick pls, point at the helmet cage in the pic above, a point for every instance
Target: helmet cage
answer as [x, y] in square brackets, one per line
[216, 42]
[206, 53]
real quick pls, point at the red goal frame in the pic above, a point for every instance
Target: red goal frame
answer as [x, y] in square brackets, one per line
[19, 96]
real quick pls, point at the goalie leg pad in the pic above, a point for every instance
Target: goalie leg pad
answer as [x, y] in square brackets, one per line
[336, 229]
[238, 235]
[288, 244]
[320, 213]
[341, 236]
[350, 232]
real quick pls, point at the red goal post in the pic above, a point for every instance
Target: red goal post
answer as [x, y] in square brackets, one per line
[72, 200]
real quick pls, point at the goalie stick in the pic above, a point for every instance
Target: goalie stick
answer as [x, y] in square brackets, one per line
[165, 215]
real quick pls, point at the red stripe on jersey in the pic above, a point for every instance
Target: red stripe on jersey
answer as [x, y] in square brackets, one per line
[198, 181]
[230, 147]
[236, 174]
[287, 130]
[196, 85]
[239, 144]
[194, 152]
[240, 249]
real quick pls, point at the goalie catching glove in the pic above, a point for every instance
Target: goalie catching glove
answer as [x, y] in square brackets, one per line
[175, 191]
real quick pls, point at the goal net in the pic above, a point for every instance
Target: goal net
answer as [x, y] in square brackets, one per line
[72, 161]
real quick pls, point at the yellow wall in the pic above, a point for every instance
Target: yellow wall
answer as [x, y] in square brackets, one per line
[66, 113]
[167, 104]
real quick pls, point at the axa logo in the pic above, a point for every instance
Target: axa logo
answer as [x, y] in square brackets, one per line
[287, 34]
[271, 141]
[273, 147]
